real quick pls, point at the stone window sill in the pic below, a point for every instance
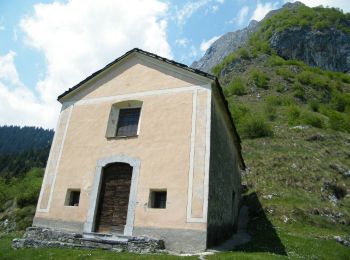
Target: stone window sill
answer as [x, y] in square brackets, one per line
[122, 137]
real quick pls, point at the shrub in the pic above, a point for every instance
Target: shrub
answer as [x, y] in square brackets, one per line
[285, 73]
[312, 119]
[305, 77]
[338, 121]
[236, 87]
[313, 78]
[239, 111]
[314, 105]
[297, 116]
[255, 127]
[280, 88]
[216, 70]
[270, 111]
[29, 186]
[260, 79]
[227, 60]
[244, 53]
[276, 60]
[299, 91]
[295, 63]
[279, 100]
[258, 44]
[293, 115]
[345, 78]
[24, 217]
[340, 101]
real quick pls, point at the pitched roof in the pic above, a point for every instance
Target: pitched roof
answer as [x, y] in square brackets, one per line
[179, 65]
[136, 50]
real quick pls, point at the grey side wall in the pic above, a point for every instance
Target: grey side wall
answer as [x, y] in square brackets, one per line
[176, 240]
[224, 177]
[71, 226]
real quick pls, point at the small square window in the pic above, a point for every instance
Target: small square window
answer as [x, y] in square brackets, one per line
[72, 198]
[158, 199]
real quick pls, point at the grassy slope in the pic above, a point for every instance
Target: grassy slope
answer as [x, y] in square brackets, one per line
[268, 97]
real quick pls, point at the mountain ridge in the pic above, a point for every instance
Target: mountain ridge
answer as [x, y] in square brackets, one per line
[326, 45]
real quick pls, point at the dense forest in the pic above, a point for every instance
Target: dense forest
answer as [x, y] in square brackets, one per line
[22, 148]
[14, 139]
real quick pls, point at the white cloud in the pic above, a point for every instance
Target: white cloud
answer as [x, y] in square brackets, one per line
[342, 4]
[214, 8]
[242, 15]
[206, 44]
[8, 72]
[184, 13]
[262, 9]
[182, 42]
[77, 38]
[18, 105]
[187, 10]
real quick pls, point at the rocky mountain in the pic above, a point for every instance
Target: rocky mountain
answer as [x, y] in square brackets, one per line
[226, 44]
[328, 49]
[307, 35]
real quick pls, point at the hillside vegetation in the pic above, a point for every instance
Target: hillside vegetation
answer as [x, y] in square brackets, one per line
[295, 123]
[23, 155]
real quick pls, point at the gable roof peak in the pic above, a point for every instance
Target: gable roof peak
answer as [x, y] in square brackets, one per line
[146, 53]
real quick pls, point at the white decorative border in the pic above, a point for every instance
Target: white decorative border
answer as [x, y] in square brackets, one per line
[57, 162]
[131, 96]
[203, 219]
[95, 192]
[190, 174]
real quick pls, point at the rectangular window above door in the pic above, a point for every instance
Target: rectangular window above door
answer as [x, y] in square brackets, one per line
[128, 122]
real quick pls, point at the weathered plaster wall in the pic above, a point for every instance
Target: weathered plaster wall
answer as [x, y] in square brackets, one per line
[163, 148]
[224, 177]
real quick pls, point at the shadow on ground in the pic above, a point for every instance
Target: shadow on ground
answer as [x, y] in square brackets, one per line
[264, 237]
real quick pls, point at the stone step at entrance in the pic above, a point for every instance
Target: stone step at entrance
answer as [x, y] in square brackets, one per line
[106, 236]
[50, 238]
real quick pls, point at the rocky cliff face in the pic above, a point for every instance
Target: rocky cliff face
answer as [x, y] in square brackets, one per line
[328, 49]
[226, 44]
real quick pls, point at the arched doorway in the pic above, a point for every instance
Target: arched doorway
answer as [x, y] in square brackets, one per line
[112, 209]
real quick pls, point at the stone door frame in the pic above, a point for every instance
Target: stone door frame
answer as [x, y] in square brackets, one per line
[89, 225]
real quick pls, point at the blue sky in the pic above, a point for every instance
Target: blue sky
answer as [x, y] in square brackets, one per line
[48, 46]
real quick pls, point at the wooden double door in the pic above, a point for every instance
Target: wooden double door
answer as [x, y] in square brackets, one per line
[114, 198]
